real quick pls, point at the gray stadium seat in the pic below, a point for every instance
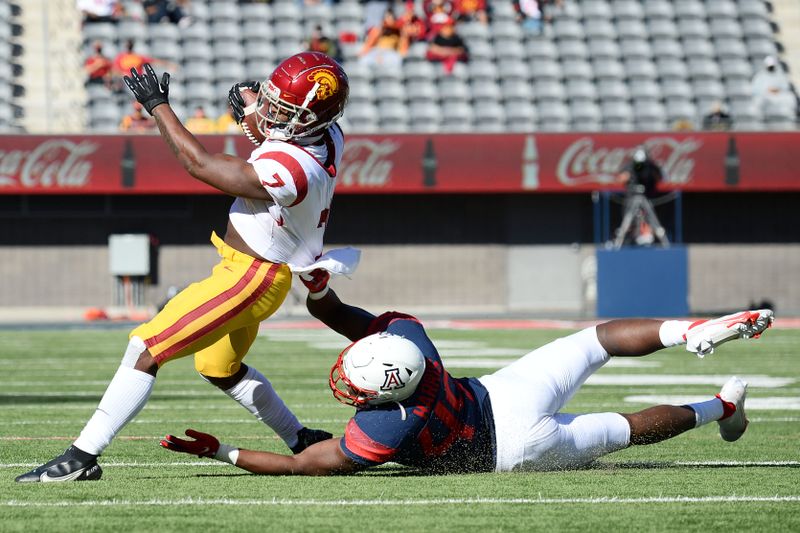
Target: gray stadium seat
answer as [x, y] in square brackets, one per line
[288, 30]
[163, 32]
[390, 90]
[256, 30]
[750, 9]
[200, 52]
[545, 70]
[567, 29]
[520, 116]
[636, 69]
[100, 31]
[670, 68]
[593, 10]
[392, 111]
[658, 9]
[662, 29]
[608, 69]
[503, 11]
[452, 90]
[722, 28]
[689, 9]
[548, 91]
[485, 90]
[541, 49]
[482, 70]
[255, 12]
[227, 51]
[693, 29]
[424, 116]
[581, 90]
[418, 71]
[721, 9]
[600, 29]
[702, 69]
[286, 12]
[603, 49]
[576, 69]
[229, 72]
[736, 68]
[228, 11]
[738, 89]
[361, 91]
[132, 30]
[481, 51]
[730, 49]
[513, 70]
[612, 90]
[755, 28]
[585, 111]
[509, 49]
[636, 49]
[471, 31]
[667, 48]
[698, 48]
[676, 90]
[505, 29]
[644, 90]
[521, 90]
[457, 117]
[618, 111]
[710, 90]
[572, 49]
[626, 10]
[318, 14]
[490, 115]
[681, 110]
[632, 29]
[760, 47]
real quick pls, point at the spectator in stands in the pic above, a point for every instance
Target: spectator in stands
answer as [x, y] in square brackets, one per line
[771, 87]
[683, 124]
[471, 10]
[319, 42]
[447, 47]
[415, 28]
[200, 123]
[226, 123]
[99, 10]
[98, 67]
[374, 11]
[530, 15]
[137, 121]
[385, 45]
[173, 11]
[717, 118]
[438, 13]
[129, 59]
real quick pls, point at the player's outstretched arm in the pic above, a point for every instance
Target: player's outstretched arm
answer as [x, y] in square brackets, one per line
[324, 458]
[324, 305]
[230, 175]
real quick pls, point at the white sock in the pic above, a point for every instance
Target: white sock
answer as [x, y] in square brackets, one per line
[708, 411]
[124, 398]
[671, 332]
[255, 393]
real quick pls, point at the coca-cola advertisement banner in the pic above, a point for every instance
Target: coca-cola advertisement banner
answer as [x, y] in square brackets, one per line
[537, 162]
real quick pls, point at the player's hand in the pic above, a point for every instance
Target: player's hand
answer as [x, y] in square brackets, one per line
[147, 89]
[203, 445]
[316, 281]
[235, 98]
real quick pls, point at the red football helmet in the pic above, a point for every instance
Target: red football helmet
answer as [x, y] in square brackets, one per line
[305, 94]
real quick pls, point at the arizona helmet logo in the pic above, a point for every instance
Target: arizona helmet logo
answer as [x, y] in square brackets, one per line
[392, 380]
[328, 86]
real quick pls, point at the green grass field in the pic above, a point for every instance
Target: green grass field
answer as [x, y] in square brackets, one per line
[51, 381]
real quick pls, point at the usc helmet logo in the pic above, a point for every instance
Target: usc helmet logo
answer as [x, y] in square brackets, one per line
[328, 85]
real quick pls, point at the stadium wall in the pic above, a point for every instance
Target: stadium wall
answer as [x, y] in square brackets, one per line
[542, 280]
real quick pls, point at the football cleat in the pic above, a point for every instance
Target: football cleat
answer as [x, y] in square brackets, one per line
[705, 335]
[72, 465]
[733, 426]
[306, 437]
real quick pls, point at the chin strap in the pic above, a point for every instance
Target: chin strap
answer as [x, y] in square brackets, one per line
[403, 414]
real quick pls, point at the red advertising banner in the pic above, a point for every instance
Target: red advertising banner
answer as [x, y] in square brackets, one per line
[380, 164]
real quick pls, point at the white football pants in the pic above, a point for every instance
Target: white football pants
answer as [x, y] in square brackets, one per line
[526, 398]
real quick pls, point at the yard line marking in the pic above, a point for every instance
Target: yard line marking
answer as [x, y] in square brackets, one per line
[678, 379]
[135, 464]
[499, 363]
[781, 403]
[405, 502]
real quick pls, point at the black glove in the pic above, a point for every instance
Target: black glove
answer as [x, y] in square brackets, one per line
[146, 88]
[235, 98]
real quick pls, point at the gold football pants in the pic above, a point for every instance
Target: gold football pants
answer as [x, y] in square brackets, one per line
[217, 318]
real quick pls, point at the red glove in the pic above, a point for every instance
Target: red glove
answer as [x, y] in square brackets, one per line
[315, 281]
[204, 445]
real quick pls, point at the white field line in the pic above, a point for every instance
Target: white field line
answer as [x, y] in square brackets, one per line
[404, 502]
[678, 379]
[136, 464]
[781, 403]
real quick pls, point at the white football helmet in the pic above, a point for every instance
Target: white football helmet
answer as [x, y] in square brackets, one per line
[377, 369]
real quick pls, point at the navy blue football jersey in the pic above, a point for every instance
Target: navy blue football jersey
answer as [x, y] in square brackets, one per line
[445, 426]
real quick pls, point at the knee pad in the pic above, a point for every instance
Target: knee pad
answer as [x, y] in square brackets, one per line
[135, 348]
[215, 369]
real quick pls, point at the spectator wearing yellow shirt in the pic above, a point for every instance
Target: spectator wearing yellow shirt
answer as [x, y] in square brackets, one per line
[199, 123]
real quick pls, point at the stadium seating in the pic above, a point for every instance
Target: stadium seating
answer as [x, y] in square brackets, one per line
[601, 64]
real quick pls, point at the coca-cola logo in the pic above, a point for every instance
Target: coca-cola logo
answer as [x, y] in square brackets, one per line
[56, 163]
[366, 163]
[583, 163]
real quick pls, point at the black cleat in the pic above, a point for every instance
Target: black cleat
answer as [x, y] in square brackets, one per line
[306, 437]
[72, 465]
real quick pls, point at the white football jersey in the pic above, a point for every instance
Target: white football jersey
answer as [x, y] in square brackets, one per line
[300, 181]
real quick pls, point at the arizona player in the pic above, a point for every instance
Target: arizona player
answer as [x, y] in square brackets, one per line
[276, 224]
[411, 411]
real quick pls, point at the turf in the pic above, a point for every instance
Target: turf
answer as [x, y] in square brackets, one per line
[50, 382]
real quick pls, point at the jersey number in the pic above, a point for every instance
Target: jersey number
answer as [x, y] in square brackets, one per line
[277, 183]
[323, 217]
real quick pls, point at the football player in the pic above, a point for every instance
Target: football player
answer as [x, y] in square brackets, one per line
[283, 196]
[411, 411]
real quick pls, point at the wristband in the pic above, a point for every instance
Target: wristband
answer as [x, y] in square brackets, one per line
[319, 295]
[227, 454]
